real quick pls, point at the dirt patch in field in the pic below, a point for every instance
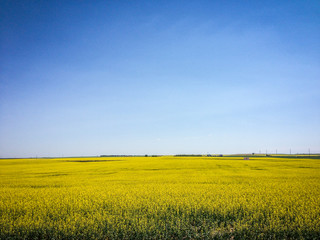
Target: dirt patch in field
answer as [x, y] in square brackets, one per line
[85, 161]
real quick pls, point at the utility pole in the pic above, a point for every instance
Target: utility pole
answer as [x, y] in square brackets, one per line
[309, 152]
[276, 151]
[290, 151]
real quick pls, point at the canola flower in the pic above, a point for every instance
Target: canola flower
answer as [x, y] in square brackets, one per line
[160, 198]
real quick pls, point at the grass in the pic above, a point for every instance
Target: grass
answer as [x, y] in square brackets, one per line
[160, 198]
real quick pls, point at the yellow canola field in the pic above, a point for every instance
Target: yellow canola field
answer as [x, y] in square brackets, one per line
[160, 198]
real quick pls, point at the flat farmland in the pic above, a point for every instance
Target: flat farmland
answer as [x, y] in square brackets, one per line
[164, 197]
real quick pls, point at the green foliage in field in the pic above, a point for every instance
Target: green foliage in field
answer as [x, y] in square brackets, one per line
[160, 198]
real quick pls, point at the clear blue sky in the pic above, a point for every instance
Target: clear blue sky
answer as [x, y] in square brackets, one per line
[158, 77]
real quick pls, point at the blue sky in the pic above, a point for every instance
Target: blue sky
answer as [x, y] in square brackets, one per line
[159, 77]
